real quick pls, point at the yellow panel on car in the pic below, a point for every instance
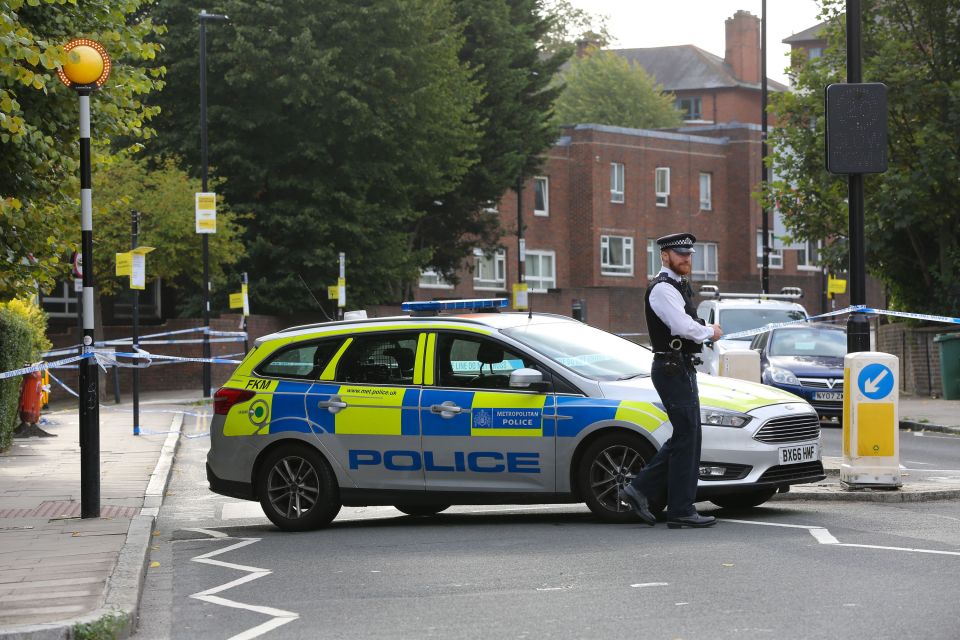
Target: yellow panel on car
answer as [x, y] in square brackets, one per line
[253, 416]
[643, 414]
[507, 414]
[370, 410]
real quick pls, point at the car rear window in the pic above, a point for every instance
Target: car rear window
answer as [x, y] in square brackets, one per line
[304, 361]
[736, 320]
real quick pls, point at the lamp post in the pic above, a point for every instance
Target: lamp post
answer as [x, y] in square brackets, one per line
[764, 175]
[87, 68]
[203, 16]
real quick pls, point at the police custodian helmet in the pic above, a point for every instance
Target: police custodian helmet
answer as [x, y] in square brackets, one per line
[679, 242]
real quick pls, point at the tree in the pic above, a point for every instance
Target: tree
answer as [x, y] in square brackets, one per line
[164, 195]
[601, 87]
[330, 122]
[504, 46]
[39, 163]
[570, 25]
[911, 221]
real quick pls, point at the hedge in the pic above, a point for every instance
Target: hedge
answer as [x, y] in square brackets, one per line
[23, 328]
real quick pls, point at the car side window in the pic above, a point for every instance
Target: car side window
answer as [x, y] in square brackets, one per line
[379, 359]
[302, 361]
[475, 362]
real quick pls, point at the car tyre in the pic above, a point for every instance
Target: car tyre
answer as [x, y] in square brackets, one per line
[297, 489]
[421, 510]
[606, 466]
[745, 500]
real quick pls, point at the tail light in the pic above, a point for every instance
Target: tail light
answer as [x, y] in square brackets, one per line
[225, 398]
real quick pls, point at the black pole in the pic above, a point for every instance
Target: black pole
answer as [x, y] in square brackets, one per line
[764, 174]
[520, 242]
[858, 327]
[88, 377]
[134, 233]
[203, 165]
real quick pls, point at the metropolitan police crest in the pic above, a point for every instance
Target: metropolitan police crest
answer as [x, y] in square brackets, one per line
[483, 418]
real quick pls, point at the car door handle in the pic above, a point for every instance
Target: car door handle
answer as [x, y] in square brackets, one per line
[557, 417]
[446, 410]
[333, 405]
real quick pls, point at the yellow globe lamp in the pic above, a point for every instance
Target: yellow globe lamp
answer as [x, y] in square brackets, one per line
[87, 65]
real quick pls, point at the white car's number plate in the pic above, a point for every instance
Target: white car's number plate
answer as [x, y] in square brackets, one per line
[828, 395]
[799, 453]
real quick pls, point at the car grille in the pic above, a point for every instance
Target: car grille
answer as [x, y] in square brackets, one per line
[789, 429]
[731, 471]
[787, 473]
[822, 383]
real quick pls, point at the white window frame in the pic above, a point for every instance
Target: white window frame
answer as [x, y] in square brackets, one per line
[617, 179]
[545, 211]
[805, 252]
[706, 191]
[440, 283]
[536, 284]
[710, 251]
[481, 263]
[653, 255]
[608, 268]
[776, 255]
[661, 185]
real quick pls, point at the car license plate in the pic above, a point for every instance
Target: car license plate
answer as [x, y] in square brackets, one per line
[828, 395]
[799, 453]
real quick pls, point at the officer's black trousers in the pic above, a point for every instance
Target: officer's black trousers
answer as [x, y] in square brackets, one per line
[674, 470]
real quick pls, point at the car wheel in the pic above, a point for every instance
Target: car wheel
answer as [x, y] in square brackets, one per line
[745, 500]
[606, 467]
[297, 489]
[421, 509]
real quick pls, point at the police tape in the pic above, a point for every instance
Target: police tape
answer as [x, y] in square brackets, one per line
[146, 355]
[904, 314]
[40, 366]
[61, 383]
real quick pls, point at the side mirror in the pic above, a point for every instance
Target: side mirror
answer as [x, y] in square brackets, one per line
[529, 379]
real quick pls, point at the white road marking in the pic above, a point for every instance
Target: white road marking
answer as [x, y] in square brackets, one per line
[823, 536]
[279, 617]
[643, 585]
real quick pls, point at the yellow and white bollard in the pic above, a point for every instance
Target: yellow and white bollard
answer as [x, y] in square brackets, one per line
[871, 436]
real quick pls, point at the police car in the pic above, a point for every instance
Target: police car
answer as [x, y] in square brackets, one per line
[426, 411]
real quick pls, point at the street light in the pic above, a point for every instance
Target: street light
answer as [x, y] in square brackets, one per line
[87, 67]
[203, 16]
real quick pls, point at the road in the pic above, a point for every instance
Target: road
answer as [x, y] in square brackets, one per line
[786, 570]
[924, 455]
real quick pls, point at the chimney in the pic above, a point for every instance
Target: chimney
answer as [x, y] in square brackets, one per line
[743, 46]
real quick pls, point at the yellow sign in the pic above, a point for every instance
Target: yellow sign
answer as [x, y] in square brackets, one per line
[520, 296]
[333, 292]
[206, 212]
[236, 300]
[836, 285]
[124, 264]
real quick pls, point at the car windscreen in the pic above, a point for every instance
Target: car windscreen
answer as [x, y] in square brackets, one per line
[736, 320]
[808, 342]
[587, 351]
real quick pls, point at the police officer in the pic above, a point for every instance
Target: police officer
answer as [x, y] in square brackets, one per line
[676, 335]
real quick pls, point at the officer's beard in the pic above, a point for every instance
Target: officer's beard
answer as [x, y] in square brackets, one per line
[680, 265]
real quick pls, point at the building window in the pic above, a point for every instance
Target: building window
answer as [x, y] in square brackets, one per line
[776, 254]
[689, 108]
[61, 302]
[540, 271]
[653, 258]
[490, 271]
[705, 262]
[616, 256]
[541, 206]
[814, 52]
[808, 256]
[430, 279]
[616, 182]
[706, 191]
[662, 186]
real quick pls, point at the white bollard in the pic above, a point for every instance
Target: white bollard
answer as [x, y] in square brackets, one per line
[871, 435]
[743, 365]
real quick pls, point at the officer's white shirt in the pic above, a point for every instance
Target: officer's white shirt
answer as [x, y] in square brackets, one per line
[667, 303]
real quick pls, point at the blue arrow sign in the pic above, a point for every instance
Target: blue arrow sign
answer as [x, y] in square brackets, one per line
[875, 381]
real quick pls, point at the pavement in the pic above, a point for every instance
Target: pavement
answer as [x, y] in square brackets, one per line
[66, 577]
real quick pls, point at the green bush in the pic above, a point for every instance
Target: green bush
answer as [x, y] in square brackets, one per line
[23, 338]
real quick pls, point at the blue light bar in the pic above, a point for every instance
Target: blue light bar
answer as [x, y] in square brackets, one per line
[454, 305]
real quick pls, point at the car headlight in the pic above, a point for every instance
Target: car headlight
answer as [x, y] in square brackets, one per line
[723, 417]
[782, 376]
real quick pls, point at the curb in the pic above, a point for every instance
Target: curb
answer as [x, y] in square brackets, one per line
[832, 492]
[120, 610]
[911, 425]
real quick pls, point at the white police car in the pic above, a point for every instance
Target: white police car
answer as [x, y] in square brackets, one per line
[426, 411]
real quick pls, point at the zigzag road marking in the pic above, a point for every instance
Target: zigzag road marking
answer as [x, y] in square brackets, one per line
[825, 537]
[279, 617]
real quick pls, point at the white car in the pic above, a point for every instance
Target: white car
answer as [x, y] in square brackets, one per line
[736, 312]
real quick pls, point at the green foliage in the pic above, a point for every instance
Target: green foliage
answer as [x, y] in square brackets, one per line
[911, 221]
[22, 338]
[39, 163]
[601, 87]
[570, 25]
[164, 195]
[107, 627]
